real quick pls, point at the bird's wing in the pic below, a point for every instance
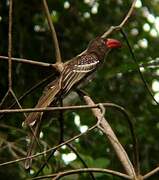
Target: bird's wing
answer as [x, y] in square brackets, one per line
[48, 96]
[78, 69]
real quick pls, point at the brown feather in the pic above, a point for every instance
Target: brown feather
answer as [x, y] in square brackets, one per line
[33, 120]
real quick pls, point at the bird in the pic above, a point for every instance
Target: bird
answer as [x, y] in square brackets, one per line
[74, 72]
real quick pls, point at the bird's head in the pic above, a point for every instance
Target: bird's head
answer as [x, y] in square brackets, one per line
[101, 46]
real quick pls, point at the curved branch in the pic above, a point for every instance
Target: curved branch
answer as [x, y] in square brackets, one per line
[120, 26]
[106, 128]
[84, 170]
[138, 67]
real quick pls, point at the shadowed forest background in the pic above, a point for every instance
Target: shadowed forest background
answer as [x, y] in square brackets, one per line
[118, 81]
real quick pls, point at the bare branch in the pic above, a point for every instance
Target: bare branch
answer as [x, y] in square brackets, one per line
[138, 68]
[12, 128]
[51, 149]
[10, 45]
[58, 66]
[84, 170]
[30, 90]
[106, 128]
[27, 61]
[120, 26]
[154, 171]
[125, 20]
[53, 33]
[4, 98]
[58, 108]
[16, 99]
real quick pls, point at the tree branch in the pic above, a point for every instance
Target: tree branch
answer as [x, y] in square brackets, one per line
[26, 61]
[106, 128]
[53, 33]
[58, 108]
[120, 26]
[154, 171]
[84, 170]
[10, 45]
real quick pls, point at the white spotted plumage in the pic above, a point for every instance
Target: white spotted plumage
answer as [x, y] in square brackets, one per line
[77, 71]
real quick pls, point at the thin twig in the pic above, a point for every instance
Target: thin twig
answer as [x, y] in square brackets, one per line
[154, 171]
[84, 170]
[125, 20]
[51, 149]
[117, 28]
[13, 153]
[4, 98]
[12, 128]
[45, 163]
[28, 92]
[16, 148]
[58, 66]
[137, 67]
[57, 108]
[10, 45]
[16, 99]
[81, 159]
[53, 33]
[133, 135]
[27, 61]
[9, 52]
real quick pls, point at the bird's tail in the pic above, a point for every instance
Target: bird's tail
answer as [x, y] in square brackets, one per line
[33, 120]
